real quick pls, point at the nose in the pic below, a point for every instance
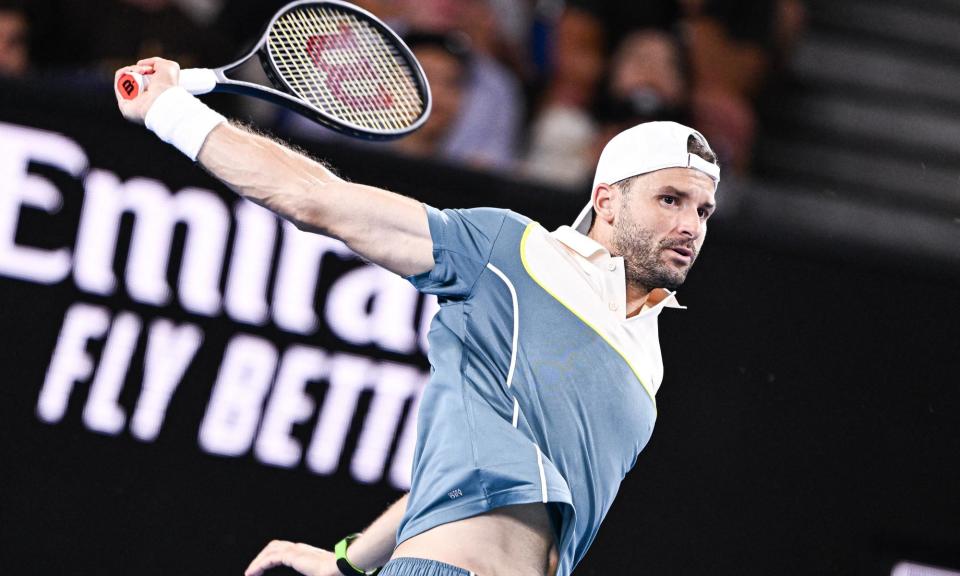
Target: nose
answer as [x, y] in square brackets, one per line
[689, 223]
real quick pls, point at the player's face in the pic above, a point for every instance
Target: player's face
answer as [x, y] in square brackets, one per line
[661, 225]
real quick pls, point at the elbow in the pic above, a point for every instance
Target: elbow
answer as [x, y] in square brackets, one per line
[310, 213]
[304, 202]
[308, 217]
[293, 208]
[306, 197]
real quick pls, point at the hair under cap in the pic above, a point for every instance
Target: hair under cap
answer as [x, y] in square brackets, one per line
[645, 148]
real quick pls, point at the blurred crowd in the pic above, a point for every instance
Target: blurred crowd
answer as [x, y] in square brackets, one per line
[532, 88]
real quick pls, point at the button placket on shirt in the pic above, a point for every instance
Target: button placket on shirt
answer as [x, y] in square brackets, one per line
[614, 291]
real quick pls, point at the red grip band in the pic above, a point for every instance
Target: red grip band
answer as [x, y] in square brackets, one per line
[128, 87]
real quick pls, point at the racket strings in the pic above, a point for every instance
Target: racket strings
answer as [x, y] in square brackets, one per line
[346, 68]
[362, 76]
[294, 62]
[291, 64]
[344, 77]
[404, 94]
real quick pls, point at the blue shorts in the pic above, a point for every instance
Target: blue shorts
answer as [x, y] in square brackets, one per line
[421, 567]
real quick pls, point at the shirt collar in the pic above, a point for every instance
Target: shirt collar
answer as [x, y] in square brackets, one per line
[579, 243]
[589, 248]
[665, 298]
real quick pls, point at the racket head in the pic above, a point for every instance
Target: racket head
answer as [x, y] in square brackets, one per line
[345, 69]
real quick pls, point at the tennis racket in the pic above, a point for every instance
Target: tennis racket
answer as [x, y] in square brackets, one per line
[330, 61]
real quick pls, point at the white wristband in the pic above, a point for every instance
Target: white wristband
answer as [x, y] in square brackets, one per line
[181, 119]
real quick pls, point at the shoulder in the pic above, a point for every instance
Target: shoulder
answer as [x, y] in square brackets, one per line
[485, 220]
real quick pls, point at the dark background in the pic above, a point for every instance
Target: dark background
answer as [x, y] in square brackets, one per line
[809, 416]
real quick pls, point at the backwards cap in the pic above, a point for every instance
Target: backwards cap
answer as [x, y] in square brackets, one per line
[645, 148]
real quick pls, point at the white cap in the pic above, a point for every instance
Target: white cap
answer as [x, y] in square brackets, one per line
[645, 148]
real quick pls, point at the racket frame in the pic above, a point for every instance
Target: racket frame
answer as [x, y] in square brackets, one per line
[285, 97]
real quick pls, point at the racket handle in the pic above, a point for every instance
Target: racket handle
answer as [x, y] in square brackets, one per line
[194, 80]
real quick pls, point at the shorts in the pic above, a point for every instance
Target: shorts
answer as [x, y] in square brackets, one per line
[421, 567]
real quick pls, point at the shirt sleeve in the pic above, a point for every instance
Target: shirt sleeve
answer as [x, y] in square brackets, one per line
[462, 243]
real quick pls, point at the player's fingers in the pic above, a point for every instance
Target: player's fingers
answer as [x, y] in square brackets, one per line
[258, 564]
[271, 555]
[164, 70]
[152, 61]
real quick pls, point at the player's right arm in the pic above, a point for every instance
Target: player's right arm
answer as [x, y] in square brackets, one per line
[371, 550]
[385, 228]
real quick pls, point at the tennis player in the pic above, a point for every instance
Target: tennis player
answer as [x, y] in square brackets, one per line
[545, 351]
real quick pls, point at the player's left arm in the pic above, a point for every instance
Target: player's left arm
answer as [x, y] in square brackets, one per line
[372, 549]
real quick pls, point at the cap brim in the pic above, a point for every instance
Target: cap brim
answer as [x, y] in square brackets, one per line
[585, 218]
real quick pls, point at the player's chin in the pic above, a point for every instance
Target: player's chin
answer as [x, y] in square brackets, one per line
[677, 265]
[675, 270]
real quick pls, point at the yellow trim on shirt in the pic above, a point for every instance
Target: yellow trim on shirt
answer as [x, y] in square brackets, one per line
[523, 259]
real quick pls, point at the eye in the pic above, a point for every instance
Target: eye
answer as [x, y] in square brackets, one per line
[704, 213]
[669, 200]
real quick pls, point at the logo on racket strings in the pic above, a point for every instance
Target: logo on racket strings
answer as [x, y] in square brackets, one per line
[128, 87]
[345, 71]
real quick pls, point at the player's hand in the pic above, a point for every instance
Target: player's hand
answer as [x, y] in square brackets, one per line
[303, 558]
[161, 75]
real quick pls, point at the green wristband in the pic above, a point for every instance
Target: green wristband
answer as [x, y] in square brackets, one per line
[343, 564]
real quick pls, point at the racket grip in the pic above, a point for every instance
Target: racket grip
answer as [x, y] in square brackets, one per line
[194, 80]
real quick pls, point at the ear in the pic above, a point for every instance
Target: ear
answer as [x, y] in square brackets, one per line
[606, 202]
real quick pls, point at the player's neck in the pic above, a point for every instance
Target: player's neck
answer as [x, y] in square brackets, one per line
[637, 297]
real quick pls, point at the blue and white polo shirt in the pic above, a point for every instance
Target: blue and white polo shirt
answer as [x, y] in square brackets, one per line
[541, 390]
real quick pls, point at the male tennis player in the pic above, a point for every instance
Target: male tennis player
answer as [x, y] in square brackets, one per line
[545, 350]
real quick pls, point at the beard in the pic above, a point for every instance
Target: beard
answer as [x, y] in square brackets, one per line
[643, 263]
